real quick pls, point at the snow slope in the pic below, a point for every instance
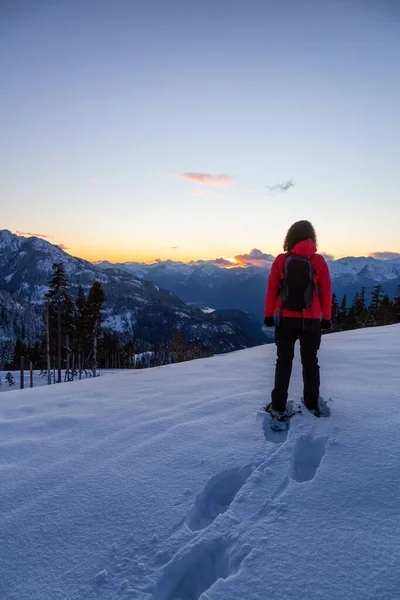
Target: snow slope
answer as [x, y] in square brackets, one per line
[167, 484]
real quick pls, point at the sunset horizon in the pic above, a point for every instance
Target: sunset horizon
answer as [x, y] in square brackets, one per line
[235, 259]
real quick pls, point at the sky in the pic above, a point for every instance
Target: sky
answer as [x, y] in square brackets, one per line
[144, 129]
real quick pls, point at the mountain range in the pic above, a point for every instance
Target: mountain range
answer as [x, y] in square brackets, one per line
[207, 284]
[216, 306]
[134, 306]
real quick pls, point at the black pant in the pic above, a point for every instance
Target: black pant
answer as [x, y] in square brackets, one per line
[286, 333]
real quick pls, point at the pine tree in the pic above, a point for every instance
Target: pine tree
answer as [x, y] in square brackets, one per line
[94, 305]
[385, 312]
[376, 299]
[363, 306]
[342, 314]
[358, 312]
[61, 312]
[396, 306]
[80, 341]
[335, 308]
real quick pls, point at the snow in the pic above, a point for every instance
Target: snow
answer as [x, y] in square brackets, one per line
[38, 379]
[115, 323]
[168, 484]
[9, 277]
[349, 267]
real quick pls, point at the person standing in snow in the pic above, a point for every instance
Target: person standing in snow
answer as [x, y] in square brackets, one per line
[299, 304]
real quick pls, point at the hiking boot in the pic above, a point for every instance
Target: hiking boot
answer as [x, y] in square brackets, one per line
[279, 420]
[315, 411]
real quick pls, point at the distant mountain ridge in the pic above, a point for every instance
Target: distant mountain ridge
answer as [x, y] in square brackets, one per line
[208, 284]
[133, 306]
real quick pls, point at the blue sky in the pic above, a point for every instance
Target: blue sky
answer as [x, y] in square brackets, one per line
[107, 105]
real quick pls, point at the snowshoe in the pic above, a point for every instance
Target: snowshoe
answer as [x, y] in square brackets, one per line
[322, 409]
[316, 412]
[279, 420]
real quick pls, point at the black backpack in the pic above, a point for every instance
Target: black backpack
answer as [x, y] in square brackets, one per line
[297, 286]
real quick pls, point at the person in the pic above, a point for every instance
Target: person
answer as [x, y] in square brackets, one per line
[298, 303]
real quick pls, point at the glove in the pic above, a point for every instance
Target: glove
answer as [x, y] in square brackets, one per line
[326, 324]
[269, 321]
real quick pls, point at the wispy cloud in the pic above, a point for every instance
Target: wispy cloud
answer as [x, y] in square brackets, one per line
[256, 258]
[281, 187]
[63, 247]
[39, 235]
[385, 255]
[94, 180]
[174, 247]
[207, 178]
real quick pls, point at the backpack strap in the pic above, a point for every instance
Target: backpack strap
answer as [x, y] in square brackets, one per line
[283, 291]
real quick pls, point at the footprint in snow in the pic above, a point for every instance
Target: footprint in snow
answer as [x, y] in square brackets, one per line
[217, 497]
[306, 458]
[190, 574]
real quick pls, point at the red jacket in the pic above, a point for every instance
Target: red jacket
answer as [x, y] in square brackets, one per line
[322, 301]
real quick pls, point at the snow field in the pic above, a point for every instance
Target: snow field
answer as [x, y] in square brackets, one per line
[168, 484]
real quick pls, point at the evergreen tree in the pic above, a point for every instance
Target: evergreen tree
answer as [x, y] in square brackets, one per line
[363, 306]
[358, 311]
[385, 312]
[376, 299]
[94, 305]
[342, 314]
[61, 312]
[335, 308]
[80, 340]
[396, 306]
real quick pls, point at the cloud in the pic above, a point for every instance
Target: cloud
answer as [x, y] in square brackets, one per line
[256, 258]
[174, 247]
[94, 180]
[207, 178]
[63, 247]
[39, 235]
[385, 255]
[223, 262]
[281, 187]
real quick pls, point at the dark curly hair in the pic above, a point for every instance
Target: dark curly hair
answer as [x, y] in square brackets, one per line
[298, 232]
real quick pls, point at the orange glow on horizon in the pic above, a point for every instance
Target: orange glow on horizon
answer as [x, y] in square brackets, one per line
[117, 255]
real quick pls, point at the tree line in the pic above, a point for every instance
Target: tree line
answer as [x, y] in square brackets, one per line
[381, 310]
[75, 342]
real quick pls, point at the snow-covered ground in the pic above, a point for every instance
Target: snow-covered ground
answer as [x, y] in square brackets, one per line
[167, 483]
[38, 378]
